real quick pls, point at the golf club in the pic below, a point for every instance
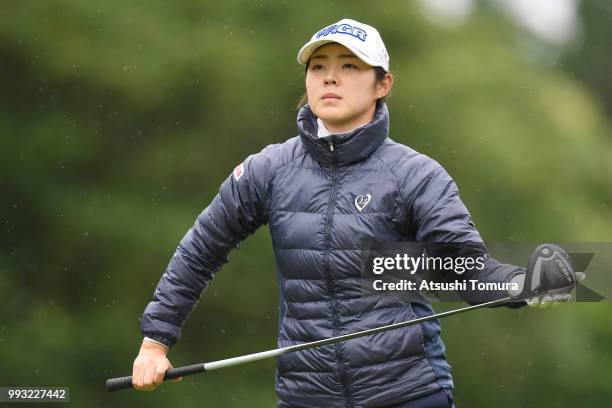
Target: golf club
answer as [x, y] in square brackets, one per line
[116, 384]
[545, 258]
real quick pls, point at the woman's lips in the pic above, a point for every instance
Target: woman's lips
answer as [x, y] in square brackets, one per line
[330, 96]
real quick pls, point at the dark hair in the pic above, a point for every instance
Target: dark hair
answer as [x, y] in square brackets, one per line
[379, 73]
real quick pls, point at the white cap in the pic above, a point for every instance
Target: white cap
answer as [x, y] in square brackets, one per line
[363, 40]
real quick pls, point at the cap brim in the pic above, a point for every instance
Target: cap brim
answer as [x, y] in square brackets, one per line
[310, 47]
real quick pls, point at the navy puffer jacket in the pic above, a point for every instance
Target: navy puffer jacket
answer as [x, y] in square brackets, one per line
[305, 190]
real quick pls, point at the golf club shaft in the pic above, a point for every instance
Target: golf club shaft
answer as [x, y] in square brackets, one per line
[116, 384]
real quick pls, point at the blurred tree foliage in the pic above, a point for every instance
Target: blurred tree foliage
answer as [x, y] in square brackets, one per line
[121, 119]
[591, 60]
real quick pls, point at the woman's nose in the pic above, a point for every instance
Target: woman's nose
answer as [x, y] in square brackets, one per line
[330, 77]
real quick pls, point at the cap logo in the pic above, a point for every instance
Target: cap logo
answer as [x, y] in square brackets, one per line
[343, 29]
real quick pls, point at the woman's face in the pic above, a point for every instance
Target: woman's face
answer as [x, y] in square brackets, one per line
[342, 90]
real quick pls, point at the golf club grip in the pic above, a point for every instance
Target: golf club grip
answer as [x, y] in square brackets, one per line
[122, 383]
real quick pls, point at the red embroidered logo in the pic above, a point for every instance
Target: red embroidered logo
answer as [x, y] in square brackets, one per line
[239, 171]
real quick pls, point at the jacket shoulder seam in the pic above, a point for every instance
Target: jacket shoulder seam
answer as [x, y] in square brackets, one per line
[291, 161]
[425, 180]
[395, 177]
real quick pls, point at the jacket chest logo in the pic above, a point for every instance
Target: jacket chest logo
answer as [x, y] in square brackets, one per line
[362, 200]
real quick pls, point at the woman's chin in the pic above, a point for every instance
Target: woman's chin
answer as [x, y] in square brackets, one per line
[331, 116]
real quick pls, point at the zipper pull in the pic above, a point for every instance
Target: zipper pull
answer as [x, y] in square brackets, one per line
[331, 143]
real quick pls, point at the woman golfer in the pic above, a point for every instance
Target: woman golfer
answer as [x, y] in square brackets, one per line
[328, 195]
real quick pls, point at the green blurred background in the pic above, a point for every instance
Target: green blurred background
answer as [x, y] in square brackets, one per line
[119, 121]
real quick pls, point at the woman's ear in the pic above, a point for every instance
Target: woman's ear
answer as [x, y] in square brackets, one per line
[384, 87]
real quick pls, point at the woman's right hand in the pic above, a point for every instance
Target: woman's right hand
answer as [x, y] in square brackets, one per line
[150, 366]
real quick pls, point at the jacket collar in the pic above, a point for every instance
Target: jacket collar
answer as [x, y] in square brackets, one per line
[349, 147]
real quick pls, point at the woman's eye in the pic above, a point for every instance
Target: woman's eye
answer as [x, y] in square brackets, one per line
[349, 66]
[317, 67]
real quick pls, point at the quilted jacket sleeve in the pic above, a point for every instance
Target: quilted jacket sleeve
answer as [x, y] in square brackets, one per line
[440, 216]
[237, 211]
